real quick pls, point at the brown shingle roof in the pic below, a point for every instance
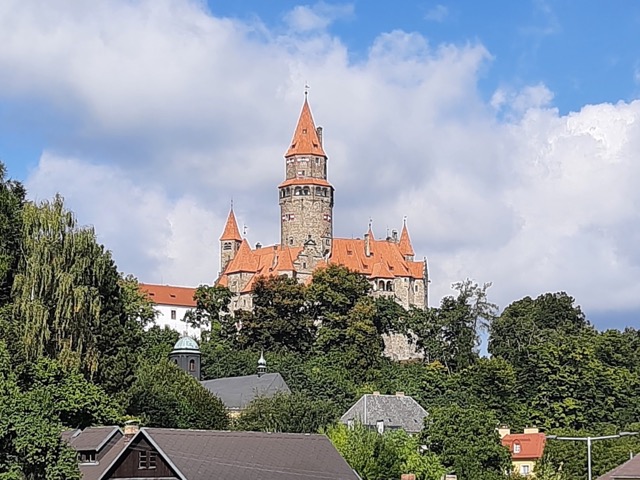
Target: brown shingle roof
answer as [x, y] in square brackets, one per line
[305, 138]
[629, 470]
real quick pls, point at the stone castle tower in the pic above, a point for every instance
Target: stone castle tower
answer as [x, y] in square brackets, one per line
[230, 241]
[306, 197]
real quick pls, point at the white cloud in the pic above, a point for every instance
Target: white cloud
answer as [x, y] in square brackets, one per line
[306, 18]
[170, 112]
[437, 14]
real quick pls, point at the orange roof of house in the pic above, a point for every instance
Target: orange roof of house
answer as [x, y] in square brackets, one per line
[305, 138]
[243, 261]
[405, 242]
[305, 181]
[231, 231]
[169, 295]
[531, 445]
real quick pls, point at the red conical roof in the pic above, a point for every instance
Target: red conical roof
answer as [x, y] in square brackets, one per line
[404, 245]
[305, 139]
[231, 231]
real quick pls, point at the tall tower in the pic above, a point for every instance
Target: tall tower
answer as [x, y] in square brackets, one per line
[306, 197]
[230, 241]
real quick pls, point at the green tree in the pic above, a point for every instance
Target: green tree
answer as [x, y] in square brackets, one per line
[381, 457]
[288, 412]
[280, 320]
[212, 308]
[467, 441]
[165, 396]
[12, 195]
[334, 291]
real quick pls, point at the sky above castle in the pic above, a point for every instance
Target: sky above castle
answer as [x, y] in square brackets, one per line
[507, 132]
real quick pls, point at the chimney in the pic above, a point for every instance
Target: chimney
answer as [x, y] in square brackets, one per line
[376, 393]
[367, 245]
[399, 394]
[503, 431]
[528, 430]
[258, 246]
[131, 428]
[319, 132]
[408, 476]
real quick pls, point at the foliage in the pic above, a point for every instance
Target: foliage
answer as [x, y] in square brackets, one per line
[212, 307]
[279, 321]
[12, 195]
[165, 396]
[284, 412]
[467, 441]
[380, 457]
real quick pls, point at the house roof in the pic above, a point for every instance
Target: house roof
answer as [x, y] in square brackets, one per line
[169, 295]
[531, 445]
[396, 411]
[231, 231]
[237, 392]
[629, 470]
[91, 438]
[305, 138]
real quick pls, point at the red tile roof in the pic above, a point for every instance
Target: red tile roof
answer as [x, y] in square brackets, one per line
[405, 243]
[169, 295]
[305, 139]
[305, 181]
[531, 445]
[231, 231]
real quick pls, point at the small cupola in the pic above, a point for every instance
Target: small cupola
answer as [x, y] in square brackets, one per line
[262, 365]
[186, 354]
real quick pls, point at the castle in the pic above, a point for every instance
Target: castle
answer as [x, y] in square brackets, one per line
[306, 235]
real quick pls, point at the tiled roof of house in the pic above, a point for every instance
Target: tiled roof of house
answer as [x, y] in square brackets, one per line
[305, 138]
[231, 231]
[396, 411]
[629, 470]
[237, 392]
[525, 446]
[95, 439]
[169, 295]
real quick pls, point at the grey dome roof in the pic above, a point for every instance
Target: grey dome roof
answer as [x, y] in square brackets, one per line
[186, 343]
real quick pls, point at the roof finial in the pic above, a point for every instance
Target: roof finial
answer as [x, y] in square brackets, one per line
[306, 90]
[404, 221]
[231, 202]
[244, 230]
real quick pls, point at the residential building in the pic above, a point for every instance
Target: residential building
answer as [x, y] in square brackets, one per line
[384, 412]
[171, 305]
[526, 448]
[172, 454]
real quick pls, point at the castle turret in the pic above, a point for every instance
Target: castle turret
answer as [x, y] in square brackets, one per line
[406, 249]
[306, 197]
[186, 354]
[230, 241]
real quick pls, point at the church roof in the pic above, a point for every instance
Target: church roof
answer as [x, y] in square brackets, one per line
[186, 343]
[405, 242]
[237, 392]
[231, 231]
[305, 138]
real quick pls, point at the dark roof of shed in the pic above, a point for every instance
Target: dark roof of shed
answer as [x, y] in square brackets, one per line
[237, 392]
[628, 470]
[397, 411]
[204, 454]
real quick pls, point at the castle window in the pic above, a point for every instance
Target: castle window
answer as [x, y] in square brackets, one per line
[415, 288]
[290, 240]
[298, 191]
[327, 241]
[192, 365]
[226, 246]
[381, 285]
[173, 314]
[389, 286]
[318, 191]
[306, 190]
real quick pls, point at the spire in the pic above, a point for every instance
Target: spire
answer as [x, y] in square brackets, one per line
[405, 246]
[231, 231]
[305, 139]
[262, 364]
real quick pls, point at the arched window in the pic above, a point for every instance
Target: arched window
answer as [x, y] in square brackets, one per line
[381, 285]
[389, 286]
[297, 191]
[192, 365]
[306, 191]
[319, 191]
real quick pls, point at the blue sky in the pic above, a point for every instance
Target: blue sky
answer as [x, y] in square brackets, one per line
[507, 132]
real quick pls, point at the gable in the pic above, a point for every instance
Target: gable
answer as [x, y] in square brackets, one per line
[140, 460]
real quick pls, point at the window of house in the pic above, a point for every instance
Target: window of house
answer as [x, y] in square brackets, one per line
[173, 314]
[143, 458]
[192, 365]
[87, 457]
[524, 469]
[153, 460]
[516, 447]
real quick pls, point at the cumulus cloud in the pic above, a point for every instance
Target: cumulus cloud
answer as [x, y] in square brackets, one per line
[170, 112]
[437, 13]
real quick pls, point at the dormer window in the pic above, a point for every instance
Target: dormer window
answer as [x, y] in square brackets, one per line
[147, 460]
[87, 457]
[516, 447]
